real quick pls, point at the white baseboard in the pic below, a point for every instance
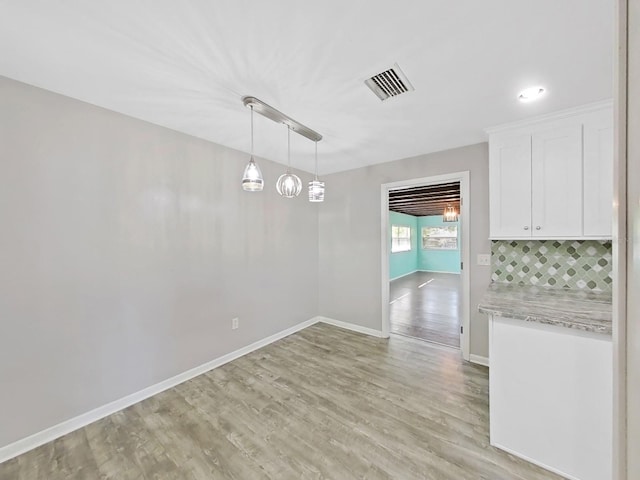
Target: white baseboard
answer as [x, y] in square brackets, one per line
[403, 275]
[535, 462]
[479, 359]
[24, 445]
[425, 271]
[438, 271]
[352, 326]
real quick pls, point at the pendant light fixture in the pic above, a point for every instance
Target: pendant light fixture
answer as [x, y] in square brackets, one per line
[450, 214]
[289, 185]
[316, 188]
[252, 179]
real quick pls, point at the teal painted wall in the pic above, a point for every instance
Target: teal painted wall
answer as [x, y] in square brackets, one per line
[437, 260]
[402, 263]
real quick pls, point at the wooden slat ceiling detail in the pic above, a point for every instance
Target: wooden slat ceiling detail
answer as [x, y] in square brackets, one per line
[425, 200]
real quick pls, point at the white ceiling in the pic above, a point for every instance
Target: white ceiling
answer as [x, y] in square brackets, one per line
[186, 64]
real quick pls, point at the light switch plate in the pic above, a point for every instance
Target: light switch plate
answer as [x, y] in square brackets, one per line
[484, 259]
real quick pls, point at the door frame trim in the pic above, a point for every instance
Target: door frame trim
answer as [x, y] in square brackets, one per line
[385, 250]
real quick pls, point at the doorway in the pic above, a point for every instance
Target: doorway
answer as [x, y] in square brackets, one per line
[425, 285]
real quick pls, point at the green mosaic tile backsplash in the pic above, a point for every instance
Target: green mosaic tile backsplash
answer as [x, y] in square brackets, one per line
[581, 264]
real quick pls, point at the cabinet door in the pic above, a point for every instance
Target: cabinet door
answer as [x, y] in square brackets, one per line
[598, 174]
[556, 169]
[510, 186]
[550, 396]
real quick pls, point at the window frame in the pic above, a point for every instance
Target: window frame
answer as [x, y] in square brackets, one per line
[440, 249]
[408, 227]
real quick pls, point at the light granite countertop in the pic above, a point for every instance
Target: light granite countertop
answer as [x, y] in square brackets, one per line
[579, 309]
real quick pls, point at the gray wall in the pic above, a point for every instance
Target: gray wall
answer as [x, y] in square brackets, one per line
[350, 222]
[126, 249]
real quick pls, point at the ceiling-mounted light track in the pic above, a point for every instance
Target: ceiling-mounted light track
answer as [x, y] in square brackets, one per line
[277, 116]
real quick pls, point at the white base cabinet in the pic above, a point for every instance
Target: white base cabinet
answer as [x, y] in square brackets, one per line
[551, 397]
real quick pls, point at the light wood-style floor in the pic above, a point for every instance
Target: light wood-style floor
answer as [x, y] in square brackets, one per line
[428, 306]
[322, 403]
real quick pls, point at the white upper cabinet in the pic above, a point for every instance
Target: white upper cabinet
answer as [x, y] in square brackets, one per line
[510, 179]
[556, 182]
[552, 177]
[598, 174]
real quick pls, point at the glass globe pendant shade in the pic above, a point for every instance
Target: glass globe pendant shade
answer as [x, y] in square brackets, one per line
[252, 179]
[316, 191]
[289, 185]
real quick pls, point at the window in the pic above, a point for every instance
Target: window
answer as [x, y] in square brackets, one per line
[440, 238]
[400, 238]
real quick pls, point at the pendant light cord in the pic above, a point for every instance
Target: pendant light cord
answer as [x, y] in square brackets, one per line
[251, 132]
[316, 174]
[288, 148]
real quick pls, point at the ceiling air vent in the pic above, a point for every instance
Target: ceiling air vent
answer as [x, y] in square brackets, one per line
[389, 83]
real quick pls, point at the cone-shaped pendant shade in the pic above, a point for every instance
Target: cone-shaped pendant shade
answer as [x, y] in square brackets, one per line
[252, 179]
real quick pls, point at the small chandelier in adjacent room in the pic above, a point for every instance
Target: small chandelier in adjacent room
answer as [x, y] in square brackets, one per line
[316, 187]
[289, 184]
[450, 214]
[252, 179]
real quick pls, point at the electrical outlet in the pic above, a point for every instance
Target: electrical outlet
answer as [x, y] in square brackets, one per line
[484, 259]
[235, 323]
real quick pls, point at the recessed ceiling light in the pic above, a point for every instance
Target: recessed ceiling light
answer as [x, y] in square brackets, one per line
[531, 94]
